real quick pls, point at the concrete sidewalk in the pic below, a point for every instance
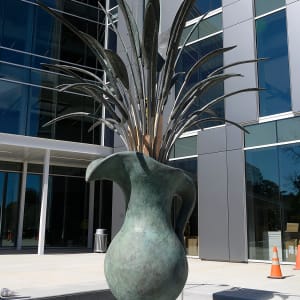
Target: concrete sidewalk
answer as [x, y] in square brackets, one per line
[81, 276]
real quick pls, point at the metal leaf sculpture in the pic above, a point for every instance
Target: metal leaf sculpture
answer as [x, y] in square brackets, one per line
[140, 86]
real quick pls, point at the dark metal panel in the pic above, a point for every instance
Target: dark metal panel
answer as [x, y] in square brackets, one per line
[238, 250]
[213, 210]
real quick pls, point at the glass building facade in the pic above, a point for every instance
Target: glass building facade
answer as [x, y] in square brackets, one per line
[251, 177]
[31, 38]
[48, 164]
[272, 147]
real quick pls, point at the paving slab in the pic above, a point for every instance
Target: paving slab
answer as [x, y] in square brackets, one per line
[81, 277]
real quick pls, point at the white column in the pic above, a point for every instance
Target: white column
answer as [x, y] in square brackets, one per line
[91, 214]
[106, 32]
[42, 230]
[22, 204]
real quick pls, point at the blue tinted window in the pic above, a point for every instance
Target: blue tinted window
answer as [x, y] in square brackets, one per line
[288, 129]
[28, 28]
[45, 41]
[263, 6]
[28, 35]
[206, 27]
[289, 166]
[13, 107]
[9, 55]
[261, 134]
[12, 72]
[184, 147]
[193, 53]
[273, 194]
[9, 204]
[203, 6]
[41, 109]
[112, 40]
[18, 25]
[273, 73]
[112, 3]
[263, 205]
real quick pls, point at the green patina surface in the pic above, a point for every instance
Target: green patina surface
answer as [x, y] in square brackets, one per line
[146, 259]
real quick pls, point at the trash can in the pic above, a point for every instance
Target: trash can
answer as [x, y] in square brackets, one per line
[100, 244]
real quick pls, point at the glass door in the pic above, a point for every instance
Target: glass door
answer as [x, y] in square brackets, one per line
[9, 208]
[32, 210]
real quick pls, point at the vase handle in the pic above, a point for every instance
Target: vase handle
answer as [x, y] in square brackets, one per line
[110, 168]
[187, 192]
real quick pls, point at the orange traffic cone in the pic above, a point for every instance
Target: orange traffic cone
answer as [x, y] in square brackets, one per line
[298, 259]
[275, 269]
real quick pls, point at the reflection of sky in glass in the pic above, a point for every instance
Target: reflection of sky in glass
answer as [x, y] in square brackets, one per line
[203, 6]
[289, 164]
[1, 187]
[33, 183]
[273, 73]
[12, 192]
[188, 165]
[280, 165]
[265, 160]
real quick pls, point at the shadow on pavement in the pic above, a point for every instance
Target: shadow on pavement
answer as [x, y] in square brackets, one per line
[250, 294]
[94, 295]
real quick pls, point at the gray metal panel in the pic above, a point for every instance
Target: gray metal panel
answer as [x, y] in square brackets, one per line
[290, 1]
[213, 210]
[235, 137]
[293, 11]
[228, 2]
[212, 140]
[237, 12]
[238, 250]
[168, 13]
[242, 108]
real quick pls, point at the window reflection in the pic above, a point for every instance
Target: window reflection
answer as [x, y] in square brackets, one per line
[190, 55]
[263, 204]
[9, 208]
[30, 37]
[203, 6]
[67, 212]
[289, 165]
[263, 6]
[273, 132]
[206, 27]
[273, 201]
[28, 28]
[13, 107]
[184, 147]
[273, 73]
[112, 3]
[32, 210]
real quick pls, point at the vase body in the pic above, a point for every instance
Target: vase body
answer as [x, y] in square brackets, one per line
[146, 259]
